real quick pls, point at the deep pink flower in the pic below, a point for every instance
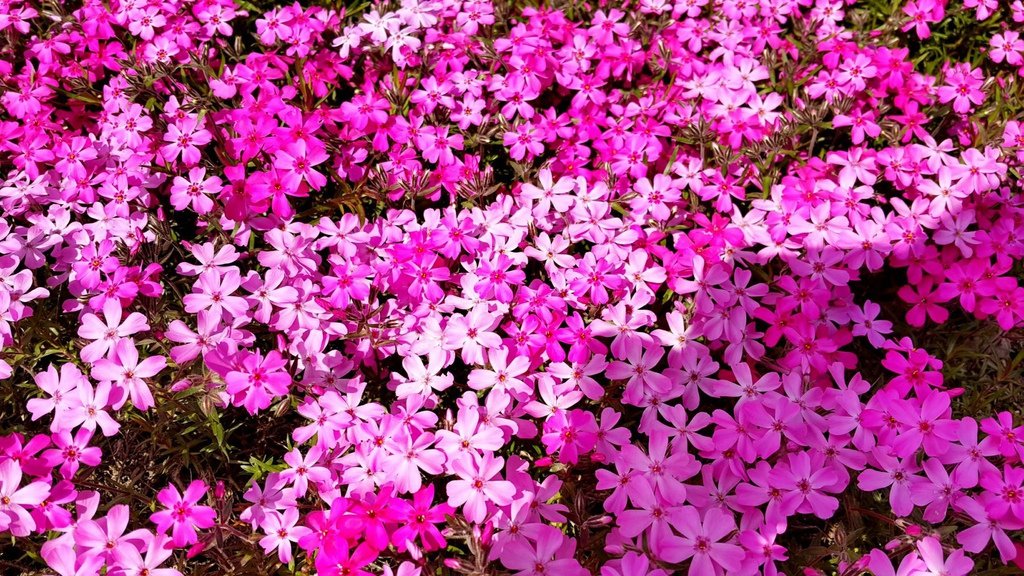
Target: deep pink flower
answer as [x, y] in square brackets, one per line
[258, 380]
[183, 514]
[421, 520]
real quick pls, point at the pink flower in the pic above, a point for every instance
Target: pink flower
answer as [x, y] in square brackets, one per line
[61, 387]
[933, 556]
[192, 344]
[304, 469]
[157, 551]
[195, 191]
[126, 372]
[410, 456]
[479, 487]
[473, 334]
[1007, 46]
[106, 538]
[762, 549]
[881, 565]
[281, 531]
[866, 323]
[215, 294]
[503, 375]
[926, 298]
[700, 540]
[16, 500]
[89, 410]
[551, 554]
[550, 194]
[106, 335]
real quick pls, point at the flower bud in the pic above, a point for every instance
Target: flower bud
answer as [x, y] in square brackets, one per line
[487, 535]
[195, 550]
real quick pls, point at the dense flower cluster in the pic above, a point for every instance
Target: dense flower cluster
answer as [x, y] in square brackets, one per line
[617, 289]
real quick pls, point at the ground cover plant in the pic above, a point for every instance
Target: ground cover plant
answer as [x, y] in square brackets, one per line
[433, 287]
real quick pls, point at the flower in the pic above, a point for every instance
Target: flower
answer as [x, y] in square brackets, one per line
[477, 489]
[127, 373]
[420, 520]
[258, 380]
[281, 531]
[106, 335]
[195, 191]
[182, 513]
[700, 540]
[15, 499]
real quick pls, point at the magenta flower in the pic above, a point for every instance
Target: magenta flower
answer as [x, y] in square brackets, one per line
[570, 434]
[496, 280]
[899, 475]
[182, 138]
[93, 261]
[421, 520]
[258, 380]
[963, 88]
[183, 514]
[805, 488]
[344, 561]
[296, 163]
[925, 425]
[988, 528]
[69, 452]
